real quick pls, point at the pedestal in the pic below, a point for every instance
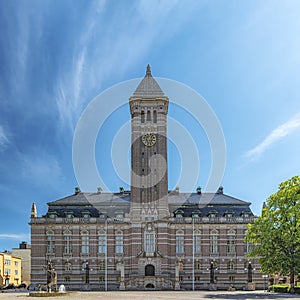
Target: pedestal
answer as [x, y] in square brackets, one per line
[122, 286]
[177, 286]
[251, 286]
[212, 287]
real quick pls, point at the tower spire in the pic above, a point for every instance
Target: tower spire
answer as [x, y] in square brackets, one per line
[33, 211]
[148, 72]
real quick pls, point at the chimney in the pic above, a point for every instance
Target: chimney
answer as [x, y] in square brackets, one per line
[198, 190]
[77, 190]
[220, 190]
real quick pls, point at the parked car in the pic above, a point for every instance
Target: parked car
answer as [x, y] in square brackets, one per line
[22, 286]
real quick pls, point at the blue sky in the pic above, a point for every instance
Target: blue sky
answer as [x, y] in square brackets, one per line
[243, 57]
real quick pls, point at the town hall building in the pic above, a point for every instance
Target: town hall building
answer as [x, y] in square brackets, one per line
[148, 238]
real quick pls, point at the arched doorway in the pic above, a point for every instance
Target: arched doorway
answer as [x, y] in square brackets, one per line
[150, 286]
[149, 270]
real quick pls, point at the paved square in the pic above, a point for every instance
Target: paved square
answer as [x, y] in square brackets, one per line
[198, 295]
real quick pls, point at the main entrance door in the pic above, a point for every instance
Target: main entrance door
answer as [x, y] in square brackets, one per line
[149, 270]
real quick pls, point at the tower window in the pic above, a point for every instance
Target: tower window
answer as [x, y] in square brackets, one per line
[155, 117]
[142, 117]
[148, 116]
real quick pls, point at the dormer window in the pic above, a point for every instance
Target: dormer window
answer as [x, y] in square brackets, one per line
[69, 214]
[52, 214]
[229, 214]
[86, 214]
[212, 214]
[246, 214]
[179, 214]
[196, 214]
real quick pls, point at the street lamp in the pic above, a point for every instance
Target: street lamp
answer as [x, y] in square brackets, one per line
[250, 271]
[265, 276]
[212, 272]
[87, 270]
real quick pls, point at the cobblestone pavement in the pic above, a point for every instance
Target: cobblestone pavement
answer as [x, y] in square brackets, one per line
[199, 295]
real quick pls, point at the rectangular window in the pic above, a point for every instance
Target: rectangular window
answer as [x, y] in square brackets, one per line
[16, 263]
[7, 262]
[50, 244]
[231, 244]
[155, 117]
[7, 272]
[85, 244]
[197, 244]
[214, 243]
[16, 272]
[119, 244]
[149, 242]
[68, 244]
[101, 278]
[179, 244]
[102, 244]
[231, 278]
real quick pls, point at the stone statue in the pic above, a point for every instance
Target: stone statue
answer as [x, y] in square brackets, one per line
[51, 277]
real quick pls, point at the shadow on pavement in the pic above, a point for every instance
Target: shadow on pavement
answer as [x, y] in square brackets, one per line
[249, 295]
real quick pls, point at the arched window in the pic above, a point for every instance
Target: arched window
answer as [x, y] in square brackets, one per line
[102, 266]
[149, 270]
[143, 116]
[179, 242]
[214, 241]
[230, 265]
[154, 116]
[148, 116]
[68, 266]
[197, 242]
[197, 265]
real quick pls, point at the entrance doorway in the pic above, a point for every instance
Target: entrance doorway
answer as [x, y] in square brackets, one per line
[150, 286]
[149, 270]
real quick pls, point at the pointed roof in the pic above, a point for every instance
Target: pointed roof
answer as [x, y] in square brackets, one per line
[148, 88]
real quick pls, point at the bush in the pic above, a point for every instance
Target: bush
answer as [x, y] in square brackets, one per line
[279, 288]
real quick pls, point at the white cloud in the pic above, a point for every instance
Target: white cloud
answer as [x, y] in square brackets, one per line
[14, 236]
[4, 141]
[277, 134]
[111, 46]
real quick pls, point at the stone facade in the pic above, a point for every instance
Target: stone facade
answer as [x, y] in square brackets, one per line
[149, 237]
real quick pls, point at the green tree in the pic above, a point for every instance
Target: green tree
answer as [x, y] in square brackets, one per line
[276, 233]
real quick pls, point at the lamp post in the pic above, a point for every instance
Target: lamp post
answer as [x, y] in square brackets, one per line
[250, 271]
[87, 270]
[212, 272]
[265, 276]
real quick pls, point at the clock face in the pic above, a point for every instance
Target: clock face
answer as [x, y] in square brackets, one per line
[149, 139]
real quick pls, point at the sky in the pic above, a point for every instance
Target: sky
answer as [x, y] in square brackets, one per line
[242, 57]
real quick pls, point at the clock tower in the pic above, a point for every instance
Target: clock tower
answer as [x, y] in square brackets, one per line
[149, 167]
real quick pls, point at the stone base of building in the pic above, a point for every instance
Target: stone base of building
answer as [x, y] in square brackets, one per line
[212, 287]
[149, 283]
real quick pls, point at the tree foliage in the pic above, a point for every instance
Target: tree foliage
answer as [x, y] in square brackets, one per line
[276, 233]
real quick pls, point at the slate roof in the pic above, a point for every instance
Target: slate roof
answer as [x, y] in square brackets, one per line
[148, 88]
[111, 203]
